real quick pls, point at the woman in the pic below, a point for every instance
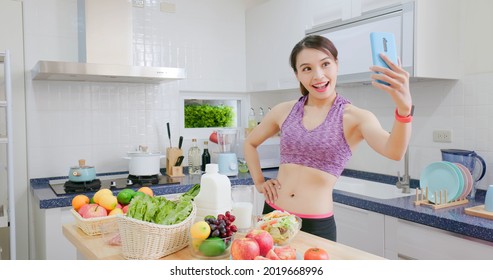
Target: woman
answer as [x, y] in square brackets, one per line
[319, 132]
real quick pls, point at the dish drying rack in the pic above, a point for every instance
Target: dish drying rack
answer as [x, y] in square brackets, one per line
[440, 199]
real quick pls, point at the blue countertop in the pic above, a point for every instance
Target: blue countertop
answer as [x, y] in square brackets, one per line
[452, 219]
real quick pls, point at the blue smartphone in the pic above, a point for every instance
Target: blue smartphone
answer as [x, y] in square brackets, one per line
[383, 42]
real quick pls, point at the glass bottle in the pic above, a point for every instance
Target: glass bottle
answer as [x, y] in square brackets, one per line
[206, 157]
[252, 122]
[194, 158]
[260, 114]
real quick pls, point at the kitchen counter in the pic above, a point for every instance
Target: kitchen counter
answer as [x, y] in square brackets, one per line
[452, 219]
[93, 247]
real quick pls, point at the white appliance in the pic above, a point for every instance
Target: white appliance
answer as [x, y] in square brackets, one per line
[228, 147]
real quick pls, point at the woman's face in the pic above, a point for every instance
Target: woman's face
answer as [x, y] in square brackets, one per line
[317, 72]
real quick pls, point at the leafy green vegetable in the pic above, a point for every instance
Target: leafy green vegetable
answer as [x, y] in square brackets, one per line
[206, 115]
[159, 210]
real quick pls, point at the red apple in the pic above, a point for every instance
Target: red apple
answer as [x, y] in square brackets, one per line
[95, 211]
[263, 238]
[244, 249]
[271, 255]
[125, 209]
[213, 137]
[285, 252]
[83, 209]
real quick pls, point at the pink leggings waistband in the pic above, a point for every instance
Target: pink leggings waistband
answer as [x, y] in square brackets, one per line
[306, 216]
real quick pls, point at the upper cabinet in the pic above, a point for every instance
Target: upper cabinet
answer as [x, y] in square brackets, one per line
[272, 29]
[427, 34]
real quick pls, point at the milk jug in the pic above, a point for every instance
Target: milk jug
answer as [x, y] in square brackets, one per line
[215, 193]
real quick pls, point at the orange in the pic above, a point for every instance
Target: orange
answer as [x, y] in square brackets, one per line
[101, 193]
[146, 190]
[200, 230]
[79, 200]
[108, 202]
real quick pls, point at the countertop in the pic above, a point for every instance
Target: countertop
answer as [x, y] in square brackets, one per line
[452, 219]
[93, 247]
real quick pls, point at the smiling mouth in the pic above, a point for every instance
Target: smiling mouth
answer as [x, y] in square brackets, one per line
[321, 87]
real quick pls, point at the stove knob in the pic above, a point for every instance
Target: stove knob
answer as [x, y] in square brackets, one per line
[129, 182]
[112, 184]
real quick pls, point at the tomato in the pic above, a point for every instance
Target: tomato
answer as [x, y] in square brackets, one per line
[316, 254]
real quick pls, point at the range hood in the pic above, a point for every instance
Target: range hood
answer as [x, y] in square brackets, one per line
[105, 49]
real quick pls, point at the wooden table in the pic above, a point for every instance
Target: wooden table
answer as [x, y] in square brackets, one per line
[94, 248]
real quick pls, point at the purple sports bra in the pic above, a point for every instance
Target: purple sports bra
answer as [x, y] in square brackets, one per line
[324, 148]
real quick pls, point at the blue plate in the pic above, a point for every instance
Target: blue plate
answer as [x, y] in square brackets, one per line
[461, 179]
[440, 176]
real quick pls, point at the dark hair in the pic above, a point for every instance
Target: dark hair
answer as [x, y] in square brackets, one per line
[312, 42]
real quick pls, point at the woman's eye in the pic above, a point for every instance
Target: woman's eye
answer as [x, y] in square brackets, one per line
[306, 69]
[326, 64]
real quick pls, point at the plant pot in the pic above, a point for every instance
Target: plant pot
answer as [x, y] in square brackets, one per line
[144, 163]
[82, 173]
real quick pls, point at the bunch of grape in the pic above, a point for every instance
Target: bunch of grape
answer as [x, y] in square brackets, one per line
[222, 226]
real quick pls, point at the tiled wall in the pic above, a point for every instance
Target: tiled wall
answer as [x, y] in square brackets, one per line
[68, 121]
[463, 106]
[100, 121]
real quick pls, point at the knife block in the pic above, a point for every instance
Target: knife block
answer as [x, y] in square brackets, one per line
[172, 155]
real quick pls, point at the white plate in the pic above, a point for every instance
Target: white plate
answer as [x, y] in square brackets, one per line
[440, 176]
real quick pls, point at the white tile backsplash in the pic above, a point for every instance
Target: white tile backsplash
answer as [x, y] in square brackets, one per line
[102, 121]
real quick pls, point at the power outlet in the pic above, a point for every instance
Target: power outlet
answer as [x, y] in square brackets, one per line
[442, 136]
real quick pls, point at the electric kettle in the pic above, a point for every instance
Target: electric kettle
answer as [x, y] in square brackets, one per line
[469, 159]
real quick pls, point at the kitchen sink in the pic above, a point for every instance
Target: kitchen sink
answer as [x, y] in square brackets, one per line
[369, 188]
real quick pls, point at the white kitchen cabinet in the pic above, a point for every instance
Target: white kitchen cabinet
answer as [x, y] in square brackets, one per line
[425, 44]
[50, 244]
[409, 240]
[359, 228]
[272, 29]
[7, 201]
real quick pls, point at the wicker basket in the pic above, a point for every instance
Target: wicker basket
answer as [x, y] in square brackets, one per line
[144, 240]
[92, 226]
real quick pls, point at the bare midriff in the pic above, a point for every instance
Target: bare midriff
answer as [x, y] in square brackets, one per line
[305, 190]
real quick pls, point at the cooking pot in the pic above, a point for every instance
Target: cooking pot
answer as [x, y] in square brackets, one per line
[142, 163]
[82, 173]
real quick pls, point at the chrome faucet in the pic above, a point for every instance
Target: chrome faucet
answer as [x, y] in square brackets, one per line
[404, 182]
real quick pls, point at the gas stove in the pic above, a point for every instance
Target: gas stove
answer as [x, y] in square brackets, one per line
[113, 182]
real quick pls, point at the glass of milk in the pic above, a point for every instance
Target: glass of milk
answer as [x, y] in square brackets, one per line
[243, 200]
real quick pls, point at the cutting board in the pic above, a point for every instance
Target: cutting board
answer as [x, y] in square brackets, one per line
[479, 211]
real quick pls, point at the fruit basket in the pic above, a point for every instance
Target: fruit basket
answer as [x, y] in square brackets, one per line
[92, 226]
[145, 240]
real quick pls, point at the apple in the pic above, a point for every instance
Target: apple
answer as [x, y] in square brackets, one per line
[285, 252]
[271, 255]
[125, 209]
[213, 137]
[94, 211]
[244, 249]
[83, 209]
[263, 238]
